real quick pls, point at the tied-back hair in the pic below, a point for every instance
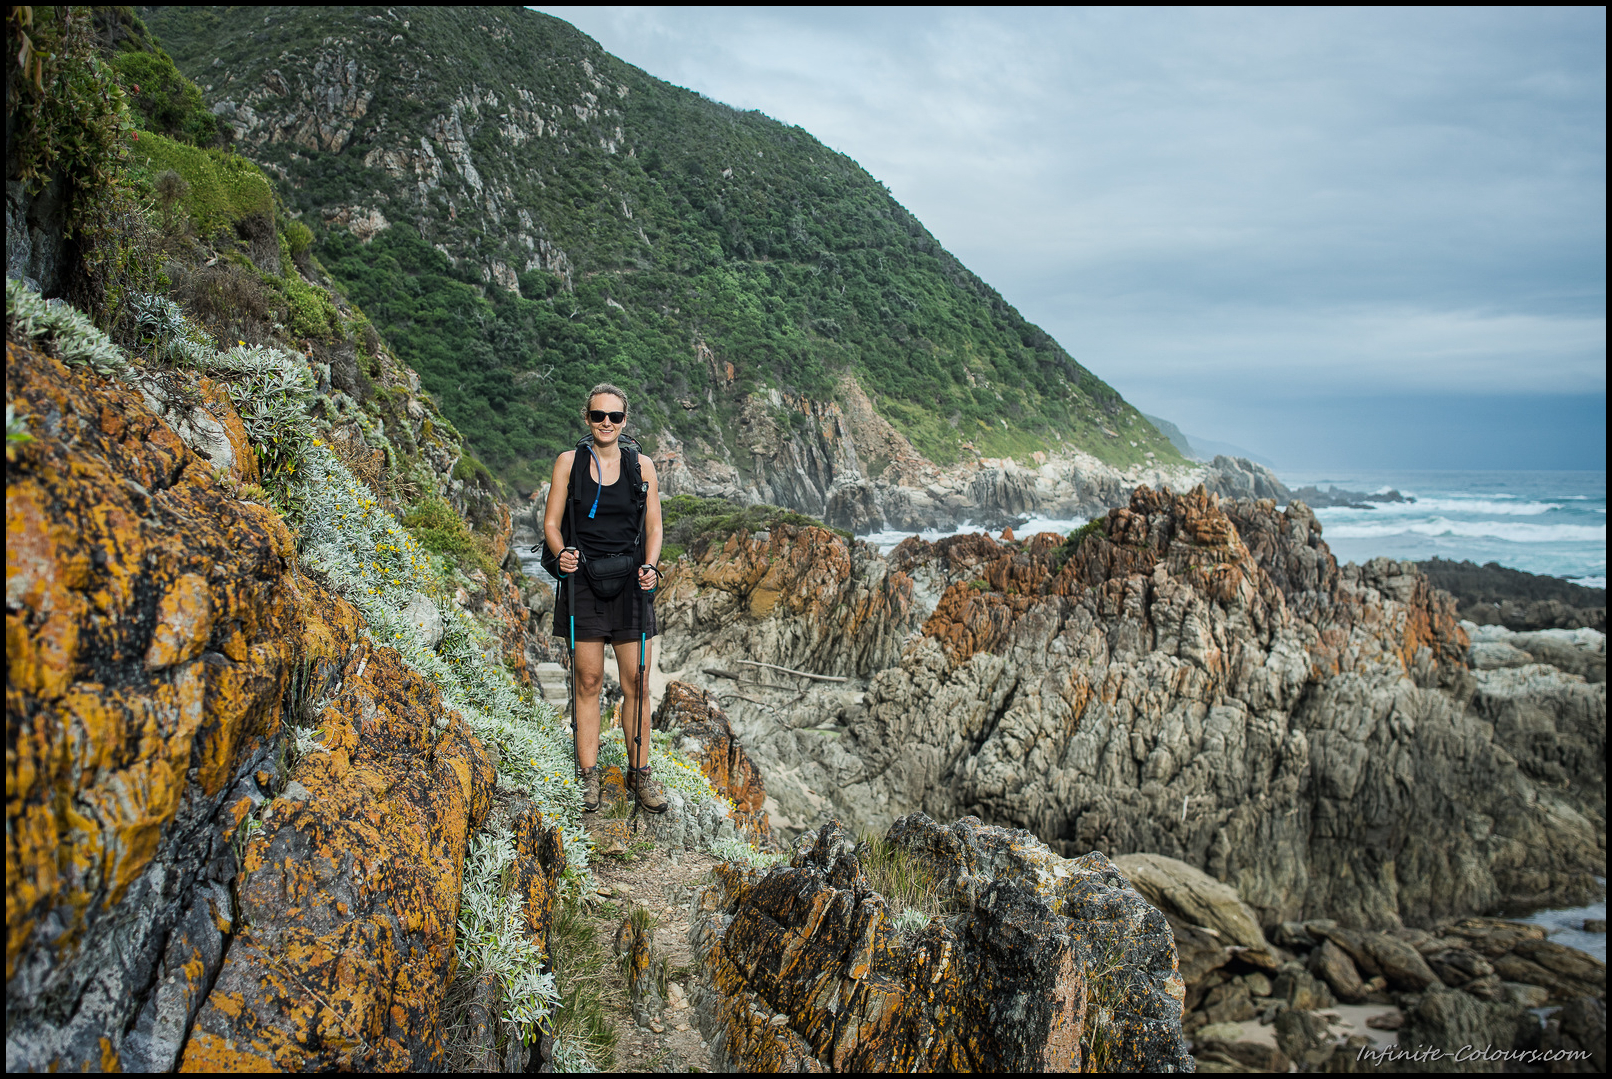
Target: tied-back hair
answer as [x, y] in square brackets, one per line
[604, 387]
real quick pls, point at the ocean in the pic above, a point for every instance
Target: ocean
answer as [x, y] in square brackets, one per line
[1552, 523]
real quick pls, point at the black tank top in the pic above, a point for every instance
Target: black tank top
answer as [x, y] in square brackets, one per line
[614, 524]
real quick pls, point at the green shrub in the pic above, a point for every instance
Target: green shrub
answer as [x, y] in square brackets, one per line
[224, 189]
[298, 238]
[442, 531]
[311, 312]
[166, 102]
[68, 121]
[469, 470]
[1093, 527]
[687, 519]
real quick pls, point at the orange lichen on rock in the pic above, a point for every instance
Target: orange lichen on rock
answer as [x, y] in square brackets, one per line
[803, 968]
[350, 893]
[125, 561]
[539, 863]
[802, 574]
[158, 639]
[706, 737]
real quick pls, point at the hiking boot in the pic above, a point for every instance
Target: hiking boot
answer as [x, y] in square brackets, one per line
[590, 789]
[650, 794]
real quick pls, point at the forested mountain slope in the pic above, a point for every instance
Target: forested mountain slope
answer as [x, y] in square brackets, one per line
[524, 214]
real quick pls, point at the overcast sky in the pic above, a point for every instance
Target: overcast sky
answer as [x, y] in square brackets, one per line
[1373, 238]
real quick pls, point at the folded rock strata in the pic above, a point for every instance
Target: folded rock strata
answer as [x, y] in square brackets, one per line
[1190, 677]
[1046, 964]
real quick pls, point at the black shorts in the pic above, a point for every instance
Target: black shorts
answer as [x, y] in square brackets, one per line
[614, 620]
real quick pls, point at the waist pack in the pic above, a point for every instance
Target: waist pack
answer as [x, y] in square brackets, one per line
[609, 575]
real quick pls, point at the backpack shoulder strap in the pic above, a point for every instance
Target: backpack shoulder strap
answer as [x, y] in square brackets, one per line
[632, 467]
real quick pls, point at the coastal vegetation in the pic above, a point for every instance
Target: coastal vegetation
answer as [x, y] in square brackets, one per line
[571, 219]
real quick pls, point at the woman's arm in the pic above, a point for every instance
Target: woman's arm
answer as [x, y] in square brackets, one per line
[554, 511]
[654, 534]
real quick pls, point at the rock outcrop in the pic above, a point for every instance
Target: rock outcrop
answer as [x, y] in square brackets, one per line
[191, 880]
[349, 894]
[1189, 677]
[821, 472]
[1492, 594]
[1046, 964]
[704, 736]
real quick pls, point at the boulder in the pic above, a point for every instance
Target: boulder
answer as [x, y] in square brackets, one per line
[1332, 965]
[635, 945]
[1457, 966]
[1229, 1003]
[1579, 1028]
[702, 732]
[1241, 1055]
[1491, 937]
[1565, 972]
[1293, 936]
[1299, 990]
[1453, 1024]
[1047, 964]
[1194, 897]
[1399, 962]
[1494, 655]
[421, 613]
[1302, 1036]
[1198, 952]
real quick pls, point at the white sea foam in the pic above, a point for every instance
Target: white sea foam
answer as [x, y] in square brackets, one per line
[887, 540]
[1589, 582]
[1491, 505]
[1511, 531]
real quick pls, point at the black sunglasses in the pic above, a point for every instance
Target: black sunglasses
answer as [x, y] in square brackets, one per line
[595, 416]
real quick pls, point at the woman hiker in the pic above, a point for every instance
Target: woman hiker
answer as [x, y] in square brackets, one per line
[603, 523]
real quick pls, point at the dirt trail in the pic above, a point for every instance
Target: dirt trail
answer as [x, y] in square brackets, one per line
[660, 879]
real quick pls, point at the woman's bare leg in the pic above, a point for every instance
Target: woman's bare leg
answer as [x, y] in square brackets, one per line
[627, 667]
[589, 677]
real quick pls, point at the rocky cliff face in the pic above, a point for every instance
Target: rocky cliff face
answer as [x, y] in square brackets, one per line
[854, 470]
[187, 883]
[1193, 677]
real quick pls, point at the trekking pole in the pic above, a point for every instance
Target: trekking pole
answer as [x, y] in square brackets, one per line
[638, 717]
[638, 720]
[571, 604]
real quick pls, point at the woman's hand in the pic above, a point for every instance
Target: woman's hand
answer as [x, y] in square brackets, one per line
[568, 561]
[647, 577]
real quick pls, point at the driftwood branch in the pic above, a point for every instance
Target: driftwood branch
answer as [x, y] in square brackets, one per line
[718, 672]
[790, 670]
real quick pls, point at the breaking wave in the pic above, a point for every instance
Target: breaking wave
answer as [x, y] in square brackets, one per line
[1511, 531]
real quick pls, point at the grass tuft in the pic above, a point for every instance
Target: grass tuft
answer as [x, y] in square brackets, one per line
[911, 892]
[584, 1034]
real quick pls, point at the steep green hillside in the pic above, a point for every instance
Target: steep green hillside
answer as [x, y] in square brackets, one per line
[523, 214]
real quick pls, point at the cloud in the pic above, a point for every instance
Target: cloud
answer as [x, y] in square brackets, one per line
[1202, 203]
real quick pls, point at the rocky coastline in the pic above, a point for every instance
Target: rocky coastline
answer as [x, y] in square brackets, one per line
[1358, 771]
[852, 469]
[1190, 686]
